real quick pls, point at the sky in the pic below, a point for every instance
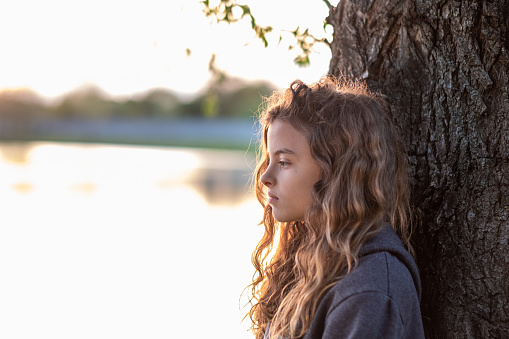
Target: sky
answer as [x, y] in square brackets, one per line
[127, 47]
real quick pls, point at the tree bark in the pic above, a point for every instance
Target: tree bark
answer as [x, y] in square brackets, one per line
[443, 66]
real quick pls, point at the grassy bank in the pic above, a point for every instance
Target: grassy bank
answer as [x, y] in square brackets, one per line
[214, 144]
[230, 134]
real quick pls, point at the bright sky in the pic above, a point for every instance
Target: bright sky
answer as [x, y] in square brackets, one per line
[126, 47]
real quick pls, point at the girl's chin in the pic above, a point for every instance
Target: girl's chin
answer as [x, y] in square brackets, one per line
[278, 217]
[283, 218]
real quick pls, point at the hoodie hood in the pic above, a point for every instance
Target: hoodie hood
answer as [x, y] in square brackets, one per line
[388, 241]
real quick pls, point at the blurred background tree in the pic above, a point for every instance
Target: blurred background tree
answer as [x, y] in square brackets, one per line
[231, 98]
[89, 102]
[18, 110]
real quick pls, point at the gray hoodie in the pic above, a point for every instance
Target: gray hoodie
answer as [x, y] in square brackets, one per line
[379, 299]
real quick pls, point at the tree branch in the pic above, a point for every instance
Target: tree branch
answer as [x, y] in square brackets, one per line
[305, 41]
[328, 4]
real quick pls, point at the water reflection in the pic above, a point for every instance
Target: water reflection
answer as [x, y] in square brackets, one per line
[221, 186]
[15, 152]
[133, 242]
[220, 177]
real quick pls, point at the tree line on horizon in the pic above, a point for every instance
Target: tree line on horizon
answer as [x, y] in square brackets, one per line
[231, 98]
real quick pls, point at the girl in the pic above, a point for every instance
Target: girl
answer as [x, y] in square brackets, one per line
[333, 184]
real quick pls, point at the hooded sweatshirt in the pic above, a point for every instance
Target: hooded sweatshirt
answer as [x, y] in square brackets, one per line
[379, 299]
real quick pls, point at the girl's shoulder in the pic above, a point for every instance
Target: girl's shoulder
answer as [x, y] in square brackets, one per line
[384, 266]
[376, 273]
[381, 295]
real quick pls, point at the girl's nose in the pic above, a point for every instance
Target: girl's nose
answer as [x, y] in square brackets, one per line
[266, 178]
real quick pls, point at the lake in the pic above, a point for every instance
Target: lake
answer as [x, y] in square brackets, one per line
[103, 241]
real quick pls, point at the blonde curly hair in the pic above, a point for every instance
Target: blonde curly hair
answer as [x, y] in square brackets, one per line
[364, 187]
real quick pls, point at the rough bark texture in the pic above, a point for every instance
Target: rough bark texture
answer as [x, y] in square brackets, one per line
[444, 67]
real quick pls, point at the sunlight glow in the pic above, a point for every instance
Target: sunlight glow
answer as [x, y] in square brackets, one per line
[124, 47]
[126, 257]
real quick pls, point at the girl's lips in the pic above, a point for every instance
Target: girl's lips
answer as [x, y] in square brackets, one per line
[272, 198]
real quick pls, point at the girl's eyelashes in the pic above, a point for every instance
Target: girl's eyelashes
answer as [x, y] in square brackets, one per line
[281, 162]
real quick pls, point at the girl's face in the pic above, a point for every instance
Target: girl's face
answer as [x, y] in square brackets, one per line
[291, 174]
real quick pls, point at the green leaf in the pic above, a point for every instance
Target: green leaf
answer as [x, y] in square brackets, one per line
[228, 14]
[253, 23]
[302, 60]
[245, 10]
[261, 35]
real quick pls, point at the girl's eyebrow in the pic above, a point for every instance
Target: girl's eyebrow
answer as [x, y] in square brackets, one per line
[284, 151]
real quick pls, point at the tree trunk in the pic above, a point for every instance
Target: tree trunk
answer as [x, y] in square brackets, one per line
[443, 66]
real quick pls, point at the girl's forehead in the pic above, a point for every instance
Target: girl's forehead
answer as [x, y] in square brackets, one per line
[282, 135]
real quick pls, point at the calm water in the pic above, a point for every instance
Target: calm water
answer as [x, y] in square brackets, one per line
[102, 241]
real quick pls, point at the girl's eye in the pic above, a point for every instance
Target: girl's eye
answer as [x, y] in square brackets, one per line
[284, 163]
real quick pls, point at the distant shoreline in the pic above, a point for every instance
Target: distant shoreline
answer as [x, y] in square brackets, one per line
[233, 134]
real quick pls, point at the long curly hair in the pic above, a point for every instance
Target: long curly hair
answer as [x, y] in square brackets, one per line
[364, 186]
